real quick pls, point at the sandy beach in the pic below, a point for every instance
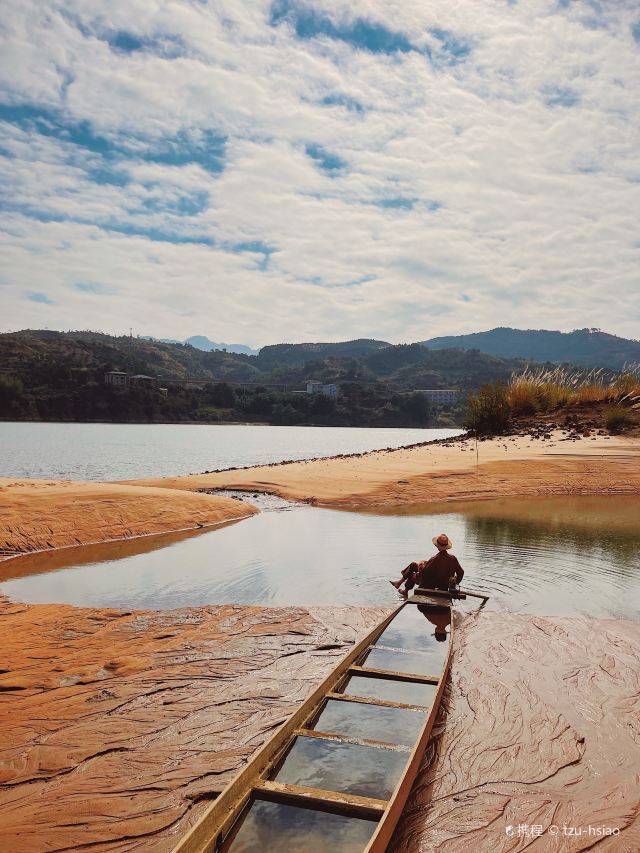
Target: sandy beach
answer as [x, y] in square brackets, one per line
[38, 515]
[442, 471]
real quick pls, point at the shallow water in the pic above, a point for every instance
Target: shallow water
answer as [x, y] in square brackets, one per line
[549, 556]
[350, 768]
[290, 829]
[134, 451]
[373, 722]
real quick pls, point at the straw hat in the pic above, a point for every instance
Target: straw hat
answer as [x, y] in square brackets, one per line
[442, 541]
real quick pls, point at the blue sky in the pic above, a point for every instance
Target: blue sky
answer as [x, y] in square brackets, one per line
[287, 170]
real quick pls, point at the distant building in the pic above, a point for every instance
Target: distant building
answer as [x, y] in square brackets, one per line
[328, 389]
[116, 378]
[439, 395]
[142, 379]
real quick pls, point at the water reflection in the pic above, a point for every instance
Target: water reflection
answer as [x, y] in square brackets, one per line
[351, 768]
[293, 829]
[370, 722]
[550, 556]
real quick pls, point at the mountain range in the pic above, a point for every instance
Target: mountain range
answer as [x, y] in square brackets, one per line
[51, 375]
[583, 347]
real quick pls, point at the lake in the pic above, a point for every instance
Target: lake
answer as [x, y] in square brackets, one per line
[130, 451]
[548, 556]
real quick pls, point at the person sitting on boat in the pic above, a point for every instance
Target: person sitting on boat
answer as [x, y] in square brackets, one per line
[442, 571]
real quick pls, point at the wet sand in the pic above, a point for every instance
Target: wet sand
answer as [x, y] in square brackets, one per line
[37, 515]
[117, 727]
[140, 718]
[442, 471]
[540, 729]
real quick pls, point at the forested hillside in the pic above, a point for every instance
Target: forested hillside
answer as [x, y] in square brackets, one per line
[60, 376]
[584, 347]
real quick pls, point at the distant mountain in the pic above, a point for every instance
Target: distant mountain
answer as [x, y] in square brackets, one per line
[301, 353]
[584, 347]
[203, 343]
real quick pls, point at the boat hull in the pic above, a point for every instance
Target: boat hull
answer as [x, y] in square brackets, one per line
[271, 774]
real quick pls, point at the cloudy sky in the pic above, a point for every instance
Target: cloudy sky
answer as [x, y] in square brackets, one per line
[288, 170]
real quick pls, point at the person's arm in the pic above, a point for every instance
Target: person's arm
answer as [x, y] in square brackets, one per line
[423, 571]
[459, 571]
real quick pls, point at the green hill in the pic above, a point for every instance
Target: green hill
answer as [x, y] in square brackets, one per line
[61, 376]
[584, 347]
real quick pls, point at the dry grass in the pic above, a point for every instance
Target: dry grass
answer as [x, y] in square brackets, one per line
[544, 390]
[618, 419]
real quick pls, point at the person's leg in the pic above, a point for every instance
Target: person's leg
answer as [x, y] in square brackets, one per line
[405, 575]
[410, 582]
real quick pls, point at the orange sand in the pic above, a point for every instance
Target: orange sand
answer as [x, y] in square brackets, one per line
[539, 730]
[40, 514]
[436, 472]
[116, 727]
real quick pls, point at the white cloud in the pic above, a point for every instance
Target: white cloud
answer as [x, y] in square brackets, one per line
[514, 173]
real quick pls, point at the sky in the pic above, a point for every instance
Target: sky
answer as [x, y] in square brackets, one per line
[261, 172]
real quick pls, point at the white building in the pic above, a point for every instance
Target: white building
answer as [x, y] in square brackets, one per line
[440, 395]
[117, 378]
[142, 379]
[328, 389]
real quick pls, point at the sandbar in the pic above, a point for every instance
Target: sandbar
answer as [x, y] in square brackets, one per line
[450, 470]
[37, 515]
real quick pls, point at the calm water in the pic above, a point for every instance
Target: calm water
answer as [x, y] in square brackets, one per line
[129, 451]
[550, 556]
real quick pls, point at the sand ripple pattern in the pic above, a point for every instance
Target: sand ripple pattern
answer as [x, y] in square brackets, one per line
[542, 729]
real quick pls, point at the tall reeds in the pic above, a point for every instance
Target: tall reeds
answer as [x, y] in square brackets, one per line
[545, 389]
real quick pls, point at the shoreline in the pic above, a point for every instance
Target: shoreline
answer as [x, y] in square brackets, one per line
[46, 515]
[438, 471]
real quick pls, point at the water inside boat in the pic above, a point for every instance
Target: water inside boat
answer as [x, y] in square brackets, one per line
[289, 829]
[370, 722]
[351, 768]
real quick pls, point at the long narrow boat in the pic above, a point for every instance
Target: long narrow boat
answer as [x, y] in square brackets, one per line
[337, 774]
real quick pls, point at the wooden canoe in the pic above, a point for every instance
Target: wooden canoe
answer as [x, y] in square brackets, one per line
[373, 802]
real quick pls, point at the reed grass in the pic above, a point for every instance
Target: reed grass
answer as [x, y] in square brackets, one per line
[618, 419]
[544, 389]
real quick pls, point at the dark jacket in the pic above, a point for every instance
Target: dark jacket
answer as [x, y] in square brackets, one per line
[436, 572]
